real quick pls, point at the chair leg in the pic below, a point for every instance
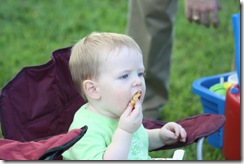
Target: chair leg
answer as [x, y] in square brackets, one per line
[199, 148]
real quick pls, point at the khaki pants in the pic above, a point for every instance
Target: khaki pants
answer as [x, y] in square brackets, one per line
[151, 24]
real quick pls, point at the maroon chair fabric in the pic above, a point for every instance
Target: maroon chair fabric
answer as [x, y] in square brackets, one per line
[40, 100]
[41, 149]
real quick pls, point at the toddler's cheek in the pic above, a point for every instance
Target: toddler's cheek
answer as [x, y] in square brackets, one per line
[121, 103]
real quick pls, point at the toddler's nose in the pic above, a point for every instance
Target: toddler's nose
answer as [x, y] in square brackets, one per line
[137, 82]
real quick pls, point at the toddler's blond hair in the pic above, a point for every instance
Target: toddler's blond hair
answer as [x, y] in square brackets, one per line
[84, 60]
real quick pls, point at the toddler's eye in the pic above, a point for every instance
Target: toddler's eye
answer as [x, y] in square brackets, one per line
[124, 76]
[142, 74]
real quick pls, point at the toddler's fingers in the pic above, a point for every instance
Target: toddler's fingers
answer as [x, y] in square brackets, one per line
[183, 135]
[138, 105]
[170, 135]
[128, 110]
[175, 128]
[137, 111]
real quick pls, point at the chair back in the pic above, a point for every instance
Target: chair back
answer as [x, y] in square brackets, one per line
[40, 101]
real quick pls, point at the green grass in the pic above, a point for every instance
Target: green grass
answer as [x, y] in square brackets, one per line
[31, 30]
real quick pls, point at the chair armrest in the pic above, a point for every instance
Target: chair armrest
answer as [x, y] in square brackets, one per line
[196, 127]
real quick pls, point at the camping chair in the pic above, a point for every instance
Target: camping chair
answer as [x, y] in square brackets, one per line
[39, 103]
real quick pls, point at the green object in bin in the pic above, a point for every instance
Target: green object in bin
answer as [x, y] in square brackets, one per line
[219, 89]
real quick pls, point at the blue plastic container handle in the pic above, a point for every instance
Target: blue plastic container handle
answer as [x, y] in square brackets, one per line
[237, 34]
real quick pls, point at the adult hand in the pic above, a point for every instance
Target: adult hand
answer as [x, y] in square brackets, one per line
[203, 11]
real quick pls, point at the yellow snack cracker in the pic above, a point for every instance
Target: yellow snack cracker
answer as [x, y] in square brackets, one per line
[135, 98]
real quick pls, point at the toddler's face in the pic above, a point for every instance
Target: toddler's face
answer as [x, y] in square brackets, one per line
[121, 75]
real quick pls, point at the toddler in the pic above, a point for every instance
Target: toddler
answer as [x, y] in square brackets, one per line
[107, 69]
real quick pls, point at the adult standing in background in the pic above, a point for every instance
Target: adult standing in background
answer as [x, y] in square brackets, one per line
[151, 24]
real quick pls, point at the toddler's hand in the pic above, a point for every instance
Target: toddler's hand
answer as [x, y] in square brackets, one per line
[172, 132]
[131, 119]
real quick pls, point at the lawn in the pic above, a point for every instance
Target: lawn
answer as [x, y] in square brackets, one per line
[31, 30]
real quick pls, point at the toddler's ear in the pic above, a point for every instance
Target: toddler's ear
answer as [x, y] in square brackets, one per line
[90, 89]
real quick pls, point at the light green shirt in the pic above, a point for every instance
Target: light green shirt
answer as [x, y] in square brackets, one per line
[99, 135]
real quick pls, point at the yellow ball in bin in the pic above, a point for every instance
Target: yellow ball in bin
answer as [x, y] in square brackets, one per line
[227, 85]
